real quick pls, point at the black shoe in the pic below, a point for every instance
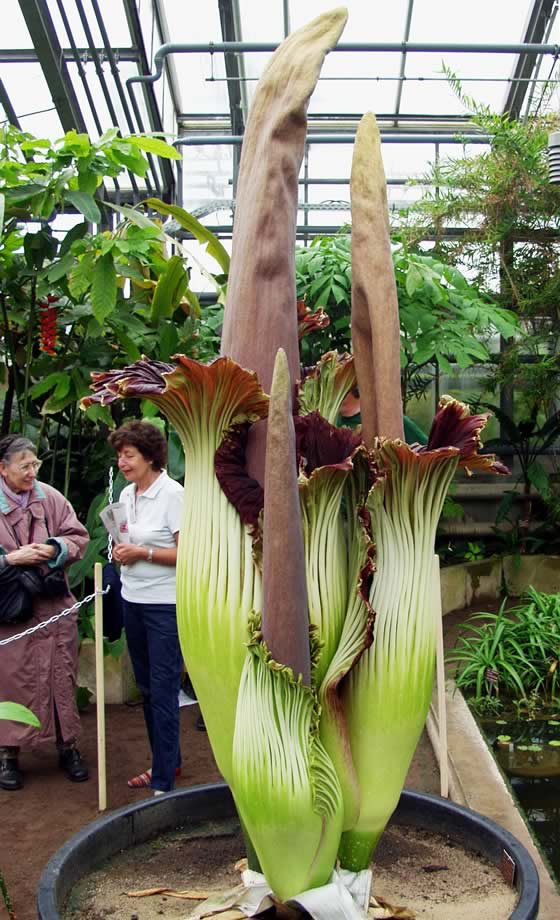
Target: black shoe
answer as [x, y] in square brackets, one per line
[199, 724]
[10, 775]
[71, 762]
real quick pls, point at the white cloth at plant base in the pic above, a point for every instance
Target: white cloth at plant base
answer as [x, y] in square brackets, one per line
[345, 897]
[251, 897]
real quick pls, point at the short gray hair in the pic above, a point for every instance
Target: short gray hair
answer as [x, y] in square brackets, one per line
[14, 444]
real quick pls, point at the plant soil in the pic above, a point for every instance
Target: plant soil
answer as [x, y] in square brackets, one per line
[423, 871]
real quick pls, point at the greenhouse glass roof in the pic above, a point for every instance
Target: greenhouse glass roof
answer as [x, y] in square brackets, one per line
[75, 63]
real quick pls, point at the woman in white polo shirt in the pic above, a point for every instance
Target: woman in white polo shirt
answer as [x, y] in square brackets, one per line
[153, 508]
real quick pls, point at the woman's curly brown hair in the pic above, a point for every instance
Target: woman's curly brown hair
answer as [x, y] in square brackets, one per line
[145, 437]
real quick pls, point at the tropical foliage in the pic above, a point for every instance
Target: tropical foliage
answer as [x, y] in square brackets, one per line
[513, 654]
[443, 318]
[76, 299]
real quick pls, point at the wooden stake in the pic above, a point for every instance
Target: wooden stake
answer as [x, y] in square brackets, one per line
[440, 682]
[100, 688]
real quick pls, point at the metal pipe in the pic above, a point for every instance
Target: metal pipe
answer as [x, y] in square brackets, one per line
[383, 47]
[231, 140]
[30, 56]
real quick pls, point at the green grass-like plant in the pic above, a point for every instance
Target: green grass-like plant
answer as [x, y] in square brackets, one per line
[512, 654]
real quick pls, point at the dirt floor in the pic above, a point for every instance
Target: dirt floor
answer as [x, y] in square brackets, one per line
[37, 820]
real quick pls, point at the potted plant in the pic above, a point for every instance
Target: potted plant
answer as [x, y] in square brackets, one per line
[306, 575]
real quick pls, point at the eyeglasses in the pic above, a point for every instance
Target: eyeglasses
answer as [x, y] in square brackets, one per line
[34, 465]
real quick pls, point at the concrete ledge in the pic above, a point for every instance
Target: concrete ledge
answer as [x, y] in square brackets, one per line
[542, 572]
[476, 780]
[463, 584]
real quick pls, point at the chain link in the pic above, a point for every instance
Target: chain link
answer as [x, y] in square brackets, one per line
[53, 619]
[110, 540]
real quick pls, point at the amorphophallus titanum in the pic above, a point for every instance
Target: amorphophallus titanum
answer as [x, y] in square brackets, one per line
[313, 706]
[218, 584]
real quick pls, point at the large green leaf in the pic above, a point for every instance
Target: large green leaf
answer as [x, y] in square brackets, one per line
[2, 207]
[75, 233]
[136, 217]
[47, 383]
[85, 204]
[169, 289]
[15, 712]
[61, 268]
[168, 341]
[79, 278]
[154, 145]
[213, 246]
[104, 288]
[83, 568]
[539, 477]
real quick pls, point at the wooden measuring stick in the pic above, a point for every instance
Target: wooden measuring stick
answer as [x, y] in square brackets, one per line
[440, 682]
[100, 688]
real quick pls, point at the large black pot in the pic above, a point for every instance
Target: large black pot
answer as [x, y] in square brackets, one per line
[135, 824]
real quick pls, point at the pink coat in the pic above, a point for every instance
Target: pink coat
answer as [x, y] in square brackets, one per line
[40, 670]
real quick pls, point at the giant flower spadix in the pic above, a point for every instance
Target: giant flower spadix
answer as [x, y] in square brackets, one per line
[387, 694]
[285, 786]
[217, 582]
[261, 312]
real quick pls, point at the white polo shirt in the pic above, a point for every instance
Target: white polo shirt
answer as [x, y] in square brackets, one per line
[153, 519]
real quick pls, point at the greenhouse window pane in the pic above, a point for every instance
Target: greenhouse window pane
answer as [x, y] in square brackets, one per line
[196, 23]
[207, 175]
[31, 99]
[367, 22]
[14, 30]
[203, 84]
[112, 15]
[476, 71]
[476, 22]
[261, 22]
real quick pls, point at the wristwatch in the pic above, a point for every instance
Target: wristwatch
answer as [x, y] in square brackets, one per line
[150, 554]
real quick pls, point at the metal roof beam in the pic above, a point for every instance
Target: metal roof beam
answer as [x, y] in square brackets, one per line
[233, 64]
[229, 22]
[6, 104]
[43, 35]
[403, 61]
[541, 15]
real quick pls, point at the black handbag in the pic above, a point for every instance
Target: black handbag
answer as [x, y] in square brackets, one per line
[54, 583]
[19, 584]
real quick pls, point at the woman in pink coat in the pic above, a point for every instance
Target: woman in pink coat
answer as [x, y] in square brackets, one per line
[38, 527]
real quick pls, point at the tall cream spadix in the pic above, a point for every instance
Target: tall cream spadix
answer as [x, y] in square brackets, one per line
[375, 309]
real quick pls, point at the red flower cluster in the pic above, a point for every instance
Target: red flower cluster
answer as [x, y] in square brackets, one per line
[47, 319]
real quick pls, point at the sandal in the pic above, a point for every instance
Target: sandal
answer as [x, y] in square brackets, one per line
[145, 779]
